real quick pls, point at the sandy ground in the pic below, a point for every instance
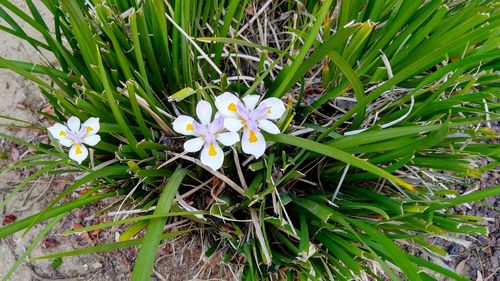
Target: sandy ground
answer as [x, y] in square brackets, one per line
[21, 99]
[16, 91]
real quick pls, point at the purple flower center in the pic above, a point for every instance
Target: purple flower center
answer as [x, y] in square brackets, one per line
[209, 132]
[75, 137]
[250, 117]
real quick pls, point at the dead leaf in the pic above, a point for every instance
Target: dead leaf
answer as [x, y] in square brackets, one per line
[84, 235]
[10, 218]
[48, 109]
[249, 10]
[21, 106]
[227, 228]
[460, 268]
[76, 225]
[49, 243]
[84, 191]
[13, 129]
[167, 249]
[14, 153]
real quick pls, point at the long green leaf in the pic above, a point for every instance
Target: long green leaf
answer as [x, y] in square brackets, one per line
[103, 172]
[147, 253]
[32, 246]
[339, 155]
[109, 247]
[63, 209]
[398, 257]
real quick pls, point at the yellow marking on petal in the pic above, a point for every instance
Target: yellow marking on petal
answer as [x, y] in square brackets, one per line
[253, 137]
[78, 149]
[62, 133]
[232, 107]
[189, 127]
[269, 111]
[88, 129]
[211, 150]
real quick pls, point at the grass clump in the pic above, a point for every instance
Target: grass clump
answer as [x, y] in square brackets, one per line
[386, 101]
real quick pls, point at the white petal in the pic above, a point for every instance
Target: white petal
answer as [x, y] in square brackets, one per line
[251, 101]
[67, 142]
[276, 108]
[233, 125]
[226, 104]
[228, 138]
[204, 112]
[91, 126]
[253, 142]
[193, 145]
[58, 131]
[184, 125]
[212, 156]
[78, 152]
[268, 126]
[74, 124]
[92, 140]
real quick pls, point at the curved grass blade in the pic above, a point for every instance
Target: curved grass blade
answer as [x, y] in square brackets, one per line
[339, 155]
[134, 219]
[99, 173]
[109, 247]
[32, 246]
[23, 223]
[289, 73]
[147, 253]
[398, 257]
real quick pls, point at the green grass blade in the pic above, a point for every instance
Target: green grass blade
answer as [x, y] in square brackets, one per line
[134, 219]
[62, 209]
[99, 173]
[109, 247]
[32, 246]
[398, 257]
[290, 72]
[339, 155]
[147, 253]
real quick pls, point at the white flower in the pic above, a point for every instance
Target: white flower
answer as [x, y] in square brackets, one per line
[252, 118]
[75, 135]
[207, 134]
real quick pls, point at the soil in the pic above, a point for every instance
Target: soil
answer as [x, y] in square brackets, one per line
[181, 259]
[481, 261]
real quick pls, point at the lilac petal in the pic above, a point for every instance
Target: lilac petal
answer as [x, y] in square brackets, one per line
[216, 125]
[75, 137]
[259, 112]
[242, 111]
[199, 128]
[252, 124]
[81, 133]
[210, 138]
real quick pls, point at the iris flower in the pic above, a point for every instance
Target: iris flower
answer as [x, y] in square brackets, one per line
[252, 116]
[75, 135]
[207, 134]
